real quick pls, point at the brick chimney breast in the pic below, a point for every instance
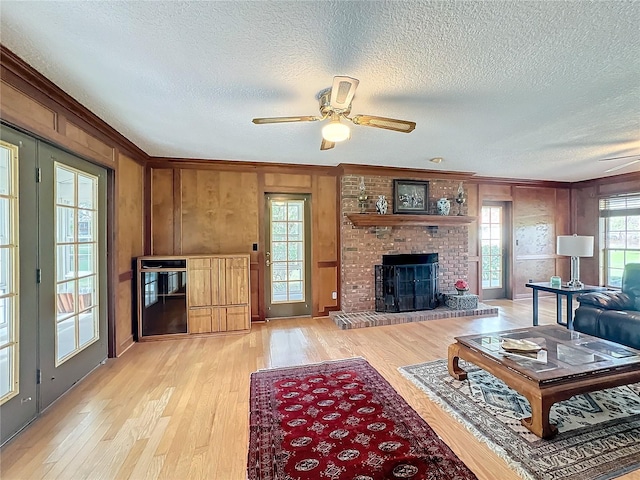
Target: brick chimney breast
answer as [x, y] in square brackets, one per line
[363, 247]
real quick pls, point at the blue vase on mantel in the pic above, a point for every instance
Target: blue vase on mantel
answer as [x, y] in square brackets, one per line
[444, 206]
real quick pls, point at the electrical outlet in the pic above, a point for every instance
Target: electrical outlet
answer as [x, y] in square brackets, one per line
[334, 295]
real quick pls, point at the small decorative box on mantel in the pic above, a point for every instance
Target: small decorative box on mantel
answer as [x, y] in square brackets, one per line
[468, 301]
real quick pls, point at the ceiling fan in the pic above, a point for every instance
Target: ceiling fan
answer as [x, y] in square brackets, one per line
[633, 159]
[335, 104]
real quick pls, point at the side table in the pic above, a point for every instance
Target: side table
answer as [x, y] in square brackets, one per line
[560, 292]
[468, 301]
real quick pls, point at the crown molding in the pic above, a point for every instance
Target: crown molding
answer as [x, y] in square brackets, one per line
[519, 182]
[25, 78]
[356, 169]
[614, 179]
[240, 165]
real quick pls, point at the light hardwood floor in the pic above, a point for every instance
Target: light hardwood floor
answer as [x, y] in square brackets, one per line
[179, 409]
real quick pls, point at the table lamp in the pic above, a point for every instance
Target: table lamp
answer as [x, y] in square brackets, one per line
[575, 247]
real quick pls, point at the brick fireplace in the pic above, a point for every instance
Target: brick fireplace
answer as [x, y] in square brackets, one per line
[363, 247]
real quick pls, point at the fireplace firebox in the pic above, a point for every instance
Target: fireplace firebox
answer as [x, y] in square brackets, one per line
[407, 282]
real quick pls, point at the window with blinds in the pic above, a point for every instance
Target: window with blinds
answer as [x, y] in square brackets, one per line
[619, 236]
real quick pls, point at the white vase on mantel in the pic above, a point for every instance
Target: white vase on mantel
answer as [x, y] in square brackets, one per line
[381, 205]
[444, 206]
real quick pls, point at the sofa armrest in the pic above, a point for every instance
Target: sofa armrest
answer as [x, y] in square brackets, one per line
[608, 300]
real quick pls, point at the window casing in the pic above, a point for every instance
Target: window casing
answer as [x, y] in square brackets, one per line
[9, 283]
[619, 236]
[491, 244]
[76, 261]
[287, 249]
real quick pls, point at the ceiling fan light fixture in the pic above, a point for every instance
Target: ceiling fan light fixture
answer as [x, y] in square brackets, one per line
[334, 131]
[335, 103]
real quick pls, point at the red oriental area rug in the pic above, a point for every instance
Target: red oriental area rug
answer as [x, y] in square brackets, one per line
[340, 420]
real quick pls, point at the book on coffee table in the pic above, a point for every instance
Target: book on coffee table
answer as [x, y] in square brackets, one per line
[539, 356]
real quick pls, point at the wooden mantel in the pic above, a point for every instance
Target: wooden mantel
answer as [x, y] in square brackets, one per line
[376, 220]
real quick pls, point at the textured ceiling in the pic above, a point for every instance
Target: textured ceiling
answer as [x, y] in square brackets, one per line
[530, 90]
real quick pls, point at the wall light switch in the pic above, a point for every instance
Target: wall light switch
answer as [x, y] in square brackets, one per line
[334, 295]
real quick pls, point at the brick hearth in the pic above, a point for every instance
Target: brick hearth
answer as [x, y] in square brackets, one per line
[373, 319]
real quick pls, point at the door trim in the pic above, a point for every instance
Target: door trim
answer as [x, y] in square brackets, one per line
[295, 309]
[507, 246]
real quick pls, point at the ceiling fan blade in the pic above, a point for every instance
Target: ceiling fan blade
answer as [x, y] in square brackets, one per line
[342, 92]
[620, 167]
[326, 144]
[260, 121]
[383, 122]
[618, 158]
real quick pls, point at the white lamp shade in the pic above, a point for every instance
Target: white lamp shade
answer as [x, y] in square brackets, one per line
[575, 245]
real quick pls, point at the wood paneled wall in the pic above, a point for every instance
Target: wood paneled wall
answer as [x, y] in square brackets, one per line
[324, 230]
[538, 215]
[130, 244]
[163, 205]
[218, 211]
[208, 208]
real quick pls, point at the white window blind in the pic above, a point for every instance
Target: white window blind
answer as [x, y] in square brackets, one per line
[620, 206]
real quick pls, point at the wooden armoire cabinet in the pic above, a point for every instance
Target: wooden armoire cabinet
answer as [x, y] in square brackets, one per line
[193, 294]
[218, 293]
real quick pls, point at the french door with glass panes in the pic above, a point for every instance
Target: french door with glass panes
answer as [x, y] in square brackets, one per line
[18, 289]
[73, 307]
[288, 256]
[56, 246]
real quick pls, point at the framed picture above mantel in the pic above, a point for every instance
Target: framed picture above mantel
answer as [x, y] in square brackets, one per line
[411, 196]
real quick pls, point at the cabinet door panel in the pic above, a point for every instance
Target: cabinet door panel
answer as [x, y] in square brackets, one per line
[200, 263]
[199, 286]
[200, 320]
[221, 317]
[237, 281]
[237, 318]
[217, 281]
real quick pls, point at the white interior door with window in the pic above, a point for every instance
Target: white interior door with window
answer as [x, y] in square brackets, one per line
[288, 256]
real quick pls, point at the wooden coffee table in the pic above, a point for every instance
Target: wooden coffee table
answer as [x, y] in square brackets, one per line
[570, 364]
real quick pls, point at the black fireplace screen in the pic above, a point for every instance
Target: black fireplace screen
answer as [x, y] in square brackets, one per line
[407, 286]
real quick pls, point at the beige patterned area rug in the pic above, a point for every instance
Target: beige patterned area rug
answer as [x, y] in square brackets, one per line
[599, 432]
